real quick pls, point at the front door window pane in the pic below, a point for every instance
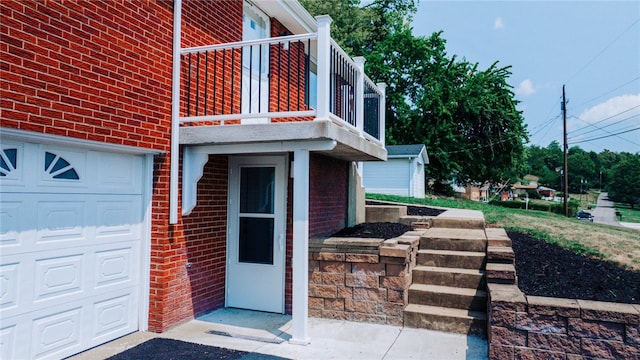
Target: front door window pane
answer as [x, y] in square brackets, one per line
[257, 186]
[256, 240]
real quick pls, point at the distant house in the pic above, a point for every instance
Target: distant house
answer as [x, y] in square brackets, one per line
[402, 174]
[547, 193]
[476, 192]
[529, 182]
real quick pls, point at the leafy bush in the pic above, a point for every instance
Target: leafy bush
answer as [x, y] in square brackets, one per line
[533, 194]
[556, 208]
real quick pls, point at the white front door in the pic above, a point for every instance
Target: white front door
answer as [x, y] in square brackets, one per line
[256, 236]
[255, 64]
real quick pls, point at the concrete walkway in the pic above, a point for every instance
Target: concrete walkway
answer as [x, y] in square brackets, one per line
[264, 333]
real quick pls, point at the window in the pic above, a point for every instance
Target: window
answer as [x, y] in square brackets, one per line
[58, 167]
[8, 161]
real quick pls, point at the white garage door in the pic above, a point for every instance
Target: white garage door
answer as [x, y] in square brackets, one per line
[71, 228]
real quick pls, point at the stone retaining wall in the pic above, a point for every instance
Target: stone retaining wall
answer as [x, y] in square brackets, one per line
[533, 327]
[359, 279]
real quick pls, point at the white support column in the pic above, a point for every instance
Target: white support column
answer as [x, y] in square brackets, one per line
[324, 59]
[359, 61]
[175, 114]
[383, 105]
[300, 314]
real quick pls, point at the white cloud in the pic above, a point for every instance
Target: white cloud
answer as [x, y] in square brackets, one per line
[498, 23]
[525, 88]
[615, 109]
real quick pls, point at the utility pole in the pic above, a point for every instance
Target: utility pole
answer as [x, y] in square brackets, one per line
[566, 170]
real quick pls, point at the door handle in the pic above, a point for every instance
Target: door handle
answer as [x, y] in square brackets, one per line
[280, 241]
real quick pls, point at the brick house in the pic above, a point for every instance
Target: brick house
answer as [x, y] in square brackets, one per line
[163, 159]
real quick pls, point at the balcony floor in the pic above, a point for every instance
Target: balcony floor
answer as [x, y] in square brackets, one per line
[349, 145]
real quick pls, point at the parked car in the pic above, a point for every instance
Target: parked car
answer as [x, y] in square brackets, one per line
[584, 216]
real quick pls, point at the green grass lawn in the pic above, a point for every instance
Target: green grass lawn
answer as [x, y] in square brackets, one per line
[628, 214]
[615, 244]
[586, 200]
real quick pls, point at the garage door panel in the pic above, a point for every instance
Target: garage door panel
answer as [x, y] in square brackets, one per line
[114, 317]
[124, 180]
[41, 222]
[9, 280]
[71, 234]
[114, 266]
[61, 168]
[61, 221]
[58, 276]
[55, 277]
[10, 222]
[56, 332]
[119, 217]
[12, 169]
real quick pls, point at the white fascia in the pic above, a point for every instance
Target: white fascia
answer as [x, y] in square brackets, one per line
[290, 13]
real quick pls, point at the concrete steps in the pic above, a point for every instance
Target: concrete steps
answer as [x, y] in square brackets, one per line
[445, 319]
[434, 275]
[448, 296]
[500, 268]
[452, 259]
[454, 239]
[448, 292]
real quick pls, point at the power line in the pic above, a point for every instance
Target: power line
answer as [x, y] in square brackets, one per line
[607, 118]
[601, 128]
[605, 136]
[548, 127]
[603, 50]
[610, 91]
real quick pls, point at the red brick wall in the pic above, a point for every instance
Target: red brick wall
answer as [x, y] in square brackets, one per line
[205, 230]
[83, 69]
[328, 195]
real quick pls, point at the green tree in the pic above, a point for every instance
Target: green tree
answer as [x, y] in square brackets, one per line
[466, 117]
[539, 165]
[608, 159]
[625, 182]
[582, 170]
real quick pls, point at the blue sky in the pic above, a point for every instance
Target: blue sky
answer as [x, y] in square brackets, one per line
[591, 46]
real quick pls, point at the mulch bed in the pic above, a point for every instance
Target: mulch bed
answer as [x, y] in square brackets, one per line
[374, 230]
[414, 210]
[545, 269]
[169, 349]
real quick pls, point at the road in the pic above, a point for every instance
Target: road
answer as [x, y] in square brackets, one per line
[604, 212]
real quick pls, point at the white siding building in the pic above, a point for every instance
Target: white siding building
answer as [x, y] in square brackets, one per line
[402, 174]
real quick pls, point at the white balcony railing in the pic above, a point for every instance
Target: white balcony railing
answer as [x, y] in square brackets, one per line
[289, 78]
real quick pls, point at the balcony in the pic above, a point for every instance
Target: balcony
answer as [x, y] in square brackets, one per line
[290, 88]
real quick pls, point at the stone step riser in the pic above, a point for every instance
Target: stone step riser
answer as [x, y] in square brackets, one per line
[451, 261]
[455, 223]
[500, 255]
[453, 301]
[461, 280]
[453, 244]
[501, 273]
[499, 242]
[445, 323]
